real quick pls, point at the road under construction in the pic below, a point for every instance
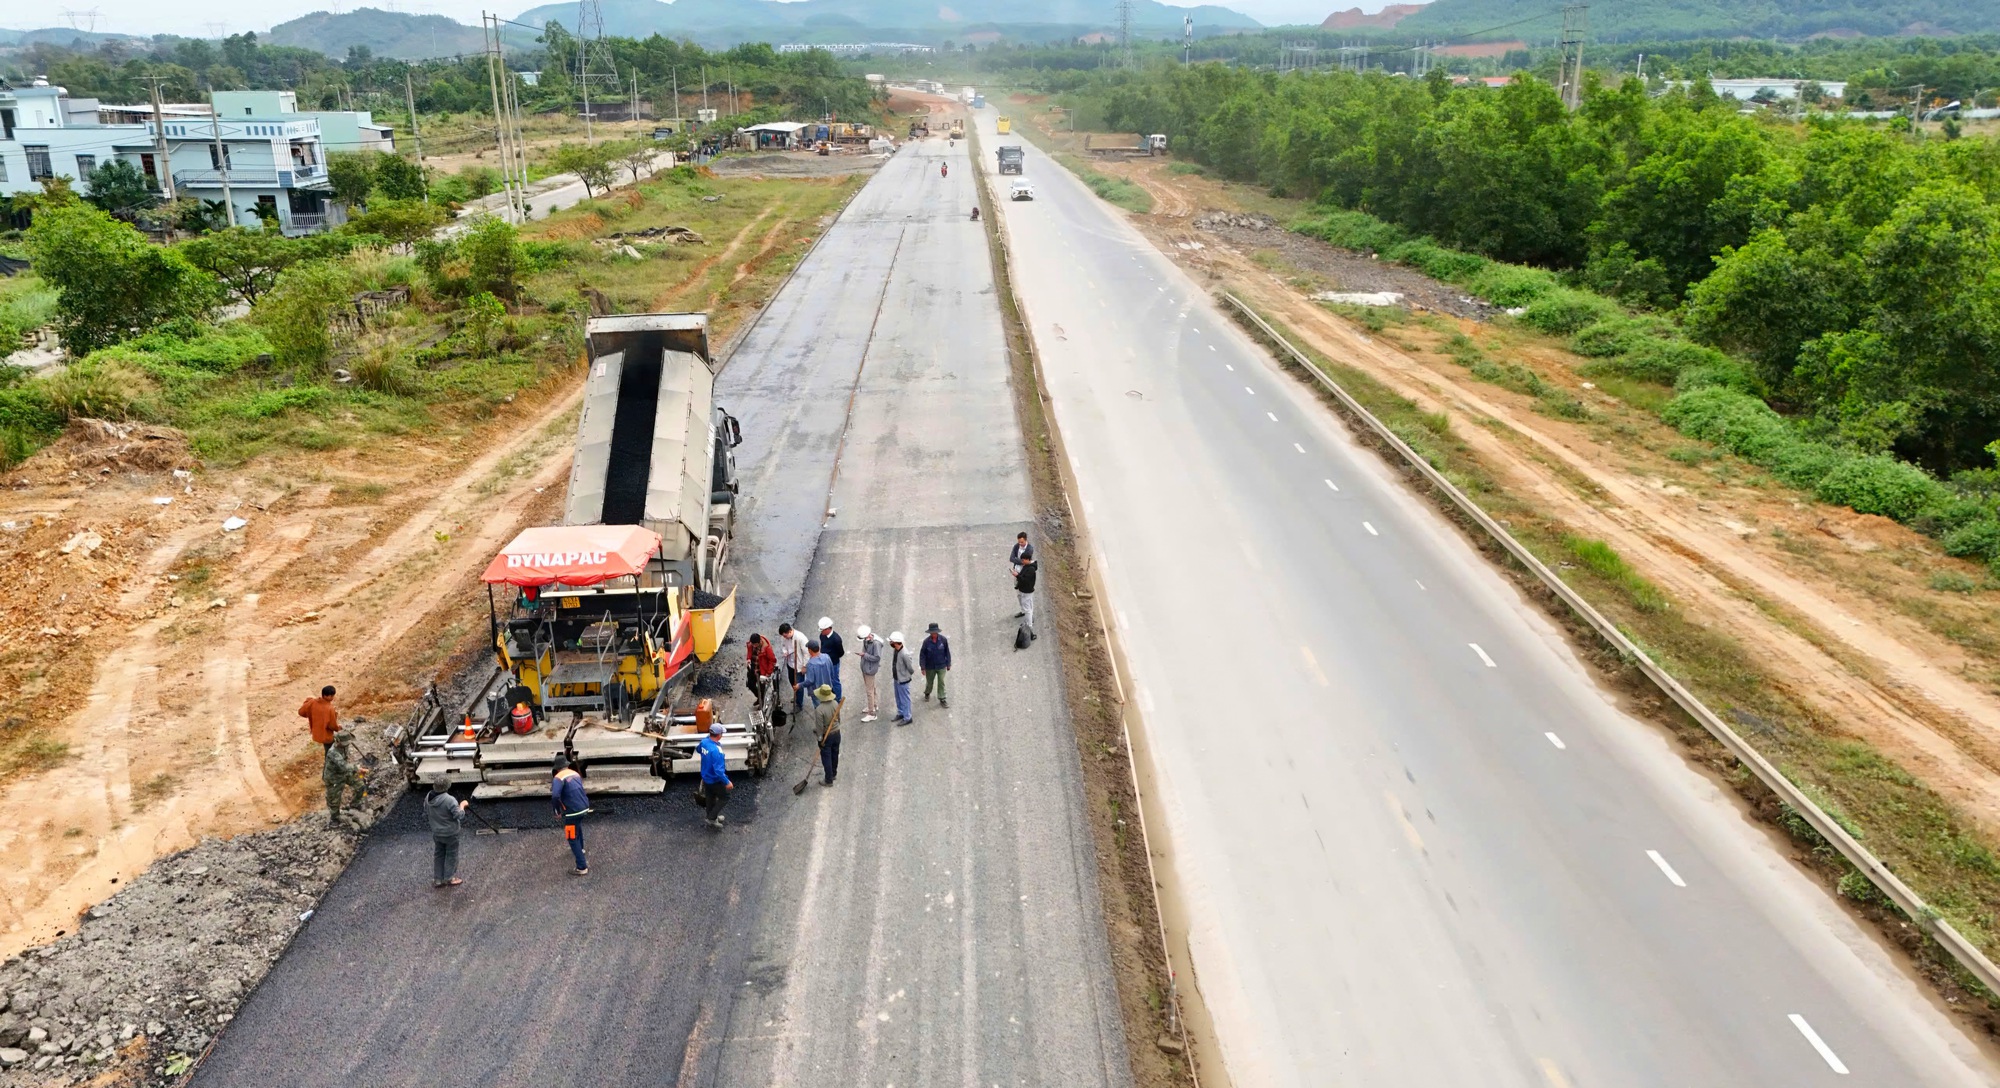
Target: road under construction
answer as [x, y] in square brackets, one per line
[1412, 843]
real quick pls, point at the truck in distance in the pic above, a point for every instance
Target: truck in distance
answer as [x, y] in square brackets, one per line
[1011, 157]
[1125, 143]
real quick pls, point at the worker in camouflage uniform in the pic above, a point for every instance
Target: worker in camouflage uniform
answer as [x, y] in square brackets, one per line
[340, 776]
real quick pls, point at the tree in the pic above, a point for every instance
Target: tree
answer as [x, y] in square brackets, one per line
[640, 157]
[398, 222]
[493, 256]
[118, 186]
[594, 166]
[398, 178]
[248, 262]
[295, 313]
[352, 175]
[111, 283]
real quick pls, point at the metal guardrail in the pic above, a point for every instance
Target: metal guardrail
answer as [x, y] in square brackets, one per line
[1922, 914]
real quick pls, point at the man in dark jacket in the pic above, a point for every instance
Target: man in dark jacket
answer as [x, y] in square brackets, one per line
[830, 642]
[446, 815]
[1024, 590]
[934, 657]
[572, 805]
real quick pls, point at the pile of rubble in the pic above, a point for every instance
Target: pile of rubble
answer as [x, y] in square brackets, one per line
[153, 973]
[1212, 221]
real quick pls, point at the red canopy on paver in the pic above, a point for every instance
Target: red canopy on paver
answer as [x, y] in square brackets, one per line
[575, 555]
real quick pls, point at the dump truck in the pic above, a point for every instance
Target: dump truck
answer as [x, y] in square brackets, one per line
[1004, 126]
[597, 624]
[1124, 143]
[920, 126]
[1011, 157]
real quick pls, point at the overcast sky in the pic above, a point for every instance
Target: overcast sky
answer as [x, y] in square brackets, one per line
[213, 17]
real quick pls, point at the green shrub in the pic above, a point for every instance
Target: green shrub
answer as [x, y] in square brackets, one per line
[98, 389]
[1563, 311]
[1656, 360]
[1185, 168]
[1601, 558]
[265, 403]
[1354, 230]
[1723, 372]
[1437, 262]
[1620, 335]
[295, 313]
[1880, 485]
[1975, 540]
[1511, 285]
[1951, 581]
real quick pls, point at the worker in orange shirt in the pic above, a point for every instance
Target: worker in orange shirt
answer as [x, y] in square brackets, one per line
[321, 718]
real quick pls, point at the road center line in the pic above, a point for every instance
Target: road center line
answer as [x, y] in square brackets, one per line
[1482, 655]
[1679, 883]
[1818, 1044]
[1331, 484]
[1555, 740]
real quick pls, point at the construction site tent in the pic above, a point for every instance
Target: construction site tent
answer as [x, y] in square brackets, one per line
[575, 555]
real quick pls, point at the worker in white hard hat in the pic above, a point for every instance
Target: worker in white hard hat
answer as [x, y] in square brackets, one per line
[831, 645]
[871, 663]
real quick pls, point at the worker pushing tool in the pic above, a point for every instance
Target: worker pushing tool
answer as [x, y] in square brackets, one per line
[572, 805]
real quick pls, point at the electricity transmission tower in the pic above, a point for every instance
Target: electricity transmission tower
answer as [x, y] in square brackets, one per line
[1576, 22]
[1125, 33]
[593, 57]
[82, 20]
[1354, 58]
[1300, 56]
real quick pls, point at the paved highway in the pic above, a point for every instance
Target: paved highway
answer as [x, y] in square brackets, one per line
[930, 919]
[1416, 845]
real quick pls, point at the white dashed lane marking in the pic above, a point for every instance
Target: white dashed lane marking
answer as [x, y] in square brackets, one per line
[1819, 1044]
[1371, 529]
[1477, 649]
[1555, 740]
[1331, 486]
[1672, 877]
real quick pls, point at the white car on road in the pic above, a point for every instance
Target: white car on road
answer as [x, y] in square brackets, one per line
[1021, 190]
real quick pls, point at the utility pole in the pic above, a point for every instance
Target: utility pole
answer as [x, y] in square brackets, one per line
[165, 169]
[1187, 40]
[495, 72]
[704, 87]
[417, 134]
[221, 162]
[677, 100]
[1576, 23]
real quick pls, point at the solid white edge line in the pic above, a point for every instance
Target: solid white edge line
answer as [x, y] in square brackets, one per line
[1331, 484]
[1818, 1044]
[1667, 869]
[1477, 649]
[1555, 740]
[1370, 528]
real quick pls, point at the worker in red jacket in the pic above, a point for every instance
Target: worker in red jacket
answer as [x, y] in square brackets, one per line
[321, 718]
[761, 668]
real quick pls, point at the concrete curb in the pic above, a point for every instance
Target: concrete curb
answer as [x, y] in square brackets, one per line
[1912, 905]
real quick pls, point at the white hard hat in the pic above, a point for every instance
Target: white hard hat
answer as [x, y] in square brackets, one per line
[863, 631]
[895, 636]
[825, 622]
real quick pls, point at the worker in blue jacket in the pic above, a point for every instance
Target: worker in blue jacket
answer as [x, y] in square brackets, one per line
[821, 670]
[715, 783]
[572, 805]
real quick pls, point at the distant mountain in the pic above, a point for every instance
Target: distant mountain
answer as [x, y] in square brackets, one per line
[1639, 19]
[384, 33]
[60, 35]
[829, 20]
[1355, 17]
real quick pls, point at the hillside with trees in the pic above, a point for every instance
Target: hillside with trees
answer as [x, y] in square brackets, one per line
[381, 33]
[1793, 19]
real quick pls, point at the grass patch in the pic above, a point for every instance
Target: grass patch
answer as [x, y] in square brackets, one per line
[1609, 565]
[1125, 194]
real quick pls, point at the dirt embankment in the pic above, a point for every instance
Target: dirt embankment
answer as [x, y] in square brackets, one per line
[1840, 608]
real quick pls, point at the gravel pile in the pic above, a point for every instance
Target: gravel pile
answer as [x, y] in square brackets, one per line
[151, 974]
[1217, 220]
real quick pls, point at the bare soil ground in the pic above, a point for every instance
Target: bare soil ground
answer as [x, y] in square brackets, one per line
[1838, 606]
[794, 164]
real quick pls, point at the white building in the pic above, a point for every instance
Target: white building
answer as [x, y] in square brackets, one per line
[1774, 90]
[273, 159]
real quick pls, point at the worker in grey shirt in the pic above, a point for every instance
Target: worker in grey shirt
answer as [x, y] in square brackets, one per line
[447, 817]
[871, 663]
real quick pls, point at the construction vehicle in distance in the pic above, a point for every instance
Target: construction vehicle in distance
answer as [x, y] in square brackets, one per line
[957, 131]
[1011, 157]
[598, 623]
[1124, 143]
[920, 126]
[1004, 125]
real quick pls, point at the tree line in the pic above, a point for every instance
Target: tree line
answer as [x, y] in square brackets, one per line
[1855, 267]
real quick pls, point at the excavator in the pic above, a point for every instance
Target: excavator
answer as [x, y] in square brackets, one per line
[598, 624]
